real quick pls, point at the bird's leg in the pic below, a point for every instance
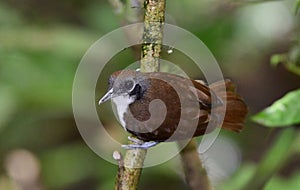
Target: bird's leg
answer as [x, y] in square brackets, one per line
[144, 145]
[139, 144]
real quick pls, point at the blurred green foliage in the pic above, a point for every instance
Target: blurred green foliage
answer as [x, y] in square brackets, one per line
[42, 42]
[283, 112]
[290, 60]
[297, 6]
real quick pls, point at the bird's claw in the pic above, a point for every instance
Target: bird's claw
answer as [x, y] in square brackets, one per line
[139, 144]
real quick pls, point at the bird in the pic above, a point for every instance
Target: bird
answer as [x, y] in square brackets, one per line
[160, 107]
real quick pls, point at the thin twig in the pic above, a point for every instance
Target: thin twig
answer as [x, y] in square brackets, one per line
[119, 158]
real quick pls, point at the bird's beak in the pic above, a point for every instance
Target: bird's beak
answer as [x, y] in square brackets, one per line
[106, 97]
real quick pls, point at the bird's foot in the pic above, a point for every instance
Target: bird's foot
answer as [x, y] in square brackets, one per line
[139, 144]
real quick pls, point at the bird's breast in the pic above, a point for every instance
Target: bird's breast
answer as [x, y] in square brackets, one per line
[122, 106]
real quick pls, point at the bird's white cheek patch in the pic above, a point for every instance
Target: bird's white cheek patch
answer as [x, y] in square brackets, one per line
[122, 105]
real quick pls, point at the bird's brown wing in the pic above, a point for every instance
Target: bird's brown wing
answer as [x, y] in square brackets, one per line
[227, 111]
[192, 117]
[194, 99]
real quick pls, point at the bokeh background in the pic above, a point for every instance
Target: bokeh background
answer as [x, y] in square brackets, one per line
[41, 45]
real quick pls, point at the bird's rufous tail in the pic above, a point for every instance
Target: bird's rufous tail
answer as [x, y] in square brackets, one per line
[236, 109]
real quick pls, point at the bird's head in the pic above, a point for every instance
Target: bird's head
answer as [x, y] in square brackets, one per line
[126, 83]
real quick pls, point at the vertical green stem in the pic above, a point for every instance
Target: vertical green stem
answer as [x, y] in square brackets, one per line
[274, 159]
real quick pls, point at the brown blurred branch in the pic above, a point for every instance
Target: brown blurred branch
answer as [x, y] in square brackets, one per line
[195, 174]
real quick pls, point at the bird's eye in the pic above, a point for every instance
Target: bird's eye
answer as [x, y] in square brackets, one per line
[129, 84]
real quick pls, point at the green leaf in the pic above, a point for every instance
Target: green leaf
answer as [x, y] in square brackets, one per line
[283, 112]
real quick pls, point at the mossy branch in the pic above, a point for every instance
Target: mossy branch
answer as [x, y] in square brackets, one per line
[152, 36]
[130, 168]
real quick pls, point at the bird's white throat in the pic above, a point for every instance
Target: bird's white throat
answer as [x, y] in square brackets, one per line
[122, 105]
